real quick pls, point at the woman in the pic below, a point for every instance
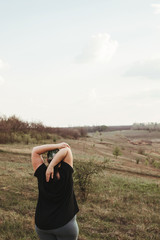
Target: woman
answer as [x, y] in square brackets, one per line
[55, 216]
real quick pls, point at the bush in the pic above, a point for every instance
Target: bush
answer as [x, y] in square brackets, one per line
[54, 139]
[26, 138]
[141, 151]
[106, 160]
[156, 164]
[83, 176]
[116, 152]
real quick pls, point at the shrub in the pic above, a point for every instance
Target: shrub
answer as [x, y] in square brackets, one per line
[116, 152]
[156, 164]
[83, 176]
[26, 138]
[54, 139]
[141, 151]
[106, 160]
[146, 162]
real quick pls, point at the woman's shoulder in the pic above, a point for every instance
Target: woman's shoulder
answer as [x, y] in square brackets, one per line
[66, 165]
[40, 170]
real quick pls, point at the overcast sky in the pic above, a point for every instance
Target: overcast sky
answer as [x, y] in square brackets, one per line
[87, 62]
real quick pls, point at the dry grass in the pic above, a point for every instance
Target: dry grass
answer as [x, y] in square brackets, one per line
[121, 205]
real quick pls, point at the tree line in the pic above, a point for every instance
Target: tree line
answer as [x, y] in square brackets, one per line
[151, 126]
[13, 129]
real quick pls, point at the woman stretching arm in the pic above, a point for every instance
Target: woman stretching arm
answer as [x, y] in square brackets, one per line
[64, 154]
[55, 215]
[37, 158]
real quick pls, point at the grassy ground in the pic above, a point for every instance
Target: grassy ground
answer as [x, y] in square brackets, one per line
[121, 205]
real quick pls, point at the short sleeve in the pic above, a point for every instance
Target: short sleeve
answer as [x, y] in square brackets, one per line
[67, 166]
[40, 170]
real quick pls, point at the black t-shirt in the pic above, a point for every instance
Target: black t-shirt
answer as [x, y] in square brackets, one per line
[56, 204]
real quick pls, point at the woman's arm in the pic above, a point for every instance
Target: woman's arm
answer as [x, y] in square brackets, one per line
[37, 159]
[59, 156]
[64, 154]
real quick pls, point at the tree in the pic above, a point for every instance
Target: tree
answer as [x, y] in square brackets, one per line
[116, 152]
[83, 176]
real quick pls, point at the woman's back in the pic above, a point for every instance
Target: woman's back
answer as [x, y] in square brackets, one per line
[56, 201]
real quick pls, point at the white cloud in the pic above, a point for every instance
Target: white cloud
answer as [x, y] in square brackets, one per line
[3, 64]
[158, 27]
[148, 95]
[101, 48]
[1, 80]
[92, 94]
[156, 7]
[149, 68]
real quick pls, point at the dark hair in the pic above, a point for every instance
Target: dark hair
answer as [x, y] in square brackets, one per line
[50, 154]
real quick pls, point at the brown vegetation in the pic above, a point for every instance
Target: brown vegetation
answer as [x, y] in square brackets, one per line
[13, 129]
[118, 198]
[152, 126]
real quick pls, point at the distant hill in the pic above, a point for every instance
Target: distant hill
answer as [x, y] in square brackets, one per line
[13, 129]
[115, 128]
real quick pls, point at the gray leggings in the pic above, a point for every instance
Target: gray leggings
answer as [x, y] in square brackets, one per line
[69, 231]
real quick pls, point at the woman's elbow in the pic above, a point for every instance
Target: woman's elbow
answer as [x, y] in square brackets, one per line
[34, 151]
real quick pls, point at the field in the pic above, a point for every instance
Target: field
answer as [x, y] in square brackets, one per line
[123, 202]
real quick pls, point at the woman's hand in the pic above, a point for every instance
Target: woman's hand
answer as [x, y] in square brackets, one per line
[63, 145]
[49, 173]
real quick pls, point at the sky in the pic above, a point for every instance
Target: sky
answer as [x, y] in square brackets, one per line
[78, 63]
